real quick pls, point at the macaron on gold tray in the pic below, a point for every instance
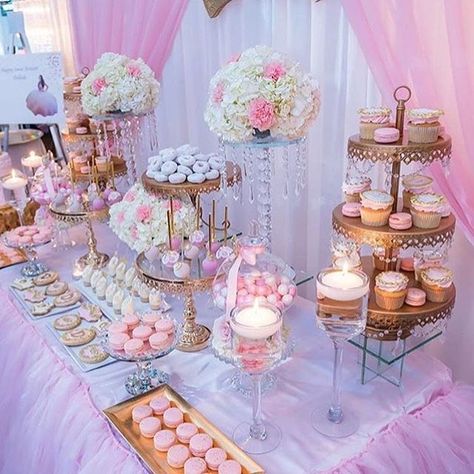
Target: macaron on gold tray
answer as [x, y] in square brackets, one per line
[120, 415]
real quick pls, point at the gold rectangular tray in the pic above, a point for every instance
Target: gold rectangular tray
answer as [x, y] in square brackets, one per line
[121, 416]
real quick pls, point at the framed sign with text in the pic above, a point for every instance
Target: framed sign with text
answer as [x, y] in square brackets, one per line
[31, 88]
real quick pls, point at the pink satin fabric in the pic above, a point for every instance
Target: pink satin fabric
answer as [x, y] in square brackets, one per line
[427, 45]
[137, 28]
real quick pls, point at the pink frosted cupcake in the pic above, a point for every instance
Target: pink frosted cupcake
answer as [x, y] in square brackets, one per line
[376, 208]
[423, 125]
[415, 184]
[426, 210]
[354, 185]
[372, 118]
[390, 290]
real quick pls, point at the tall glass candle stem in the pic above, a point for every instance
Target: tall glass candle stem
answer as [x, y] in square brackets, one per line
[335, 410]
[257, 429]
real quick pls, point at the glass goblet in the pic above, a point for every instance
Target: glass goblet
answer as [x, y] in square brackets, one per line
[341, 314]
[256, 348]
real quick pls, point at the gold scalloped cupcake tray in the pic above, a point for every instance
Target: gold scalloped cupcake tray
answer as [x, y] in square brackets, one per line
[120, 416]
[234, 175]
[385, 236]
[403, 150]
[392, 325]
[63, 215]
[120, 169]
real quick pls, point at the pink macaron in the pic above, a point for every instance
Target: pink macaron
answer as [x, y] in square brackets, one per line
[140, 412]
[351, 209]
[185, 431]
[386, 135]
[131, 320]
[118, 340]
[195, 466]
[149, 426]
[199, 444]
[149, 319]
[172, 417]
[400, 221]
[177, 455]
[116, 327]
[415, 297]
[163, 440]
[230, 467]
[159, 405]
[142, 332]
[159, 341]
[215, 457]
[164, 325]
[133, 346]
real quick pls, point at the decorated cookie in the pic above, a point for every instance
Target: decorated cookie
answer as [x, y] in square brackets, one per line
[78, 336]
[40, 309]
[57, 288]
[92, 354]
[35, 295]
[103, 325]
[45, 278]
[67, 322]
[68, 298]
[22, 283]
[90, 312]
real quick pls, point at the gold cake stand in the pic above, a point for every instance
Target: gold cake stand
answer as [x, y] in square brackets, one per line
[93, 256]
[194, 336]
[233, 175]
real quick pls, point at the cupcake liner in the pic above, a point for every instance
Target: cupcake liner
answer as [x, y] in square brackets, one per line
[374, 217]
[367, 129]
[435, 294]
[355, 197]
[425, 220]
[390, 300]
[423, 133]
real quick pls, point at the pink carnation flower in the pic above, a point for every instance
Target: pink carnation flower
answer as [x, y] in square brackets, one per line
[134, 70]
[218, 93]
[99, 85]
[120, 217]
[129, 196]
[177, 205]
[143, 213]
[274, 71]
[261, 114]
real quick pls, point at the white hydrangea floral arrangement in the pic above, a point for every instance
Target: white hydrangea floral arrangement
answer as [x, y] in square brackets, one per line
[119, 84]
[261, 90]
[140, 221]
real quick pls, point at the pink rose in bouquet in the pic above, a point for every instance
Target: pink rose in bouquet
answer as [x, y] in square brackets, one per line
[261, 114]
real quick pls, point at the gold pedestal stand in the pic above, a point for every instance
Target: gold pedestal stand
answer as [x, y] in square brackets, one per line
[194, 336]
[93, 256]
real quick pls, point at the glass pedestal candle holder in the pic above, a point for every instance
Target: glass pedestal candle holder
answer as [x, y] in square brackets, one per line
[341, 314]
[256, 349]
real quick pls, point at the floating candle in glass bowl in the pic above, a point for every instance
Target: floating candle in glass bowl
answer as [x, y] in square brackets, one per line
[32, 160]
[16, 181]
[342, 285]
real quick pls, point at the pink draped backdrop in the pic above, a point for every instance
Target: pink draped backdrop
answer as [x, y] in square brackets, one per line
[427, 45]
[137, 28]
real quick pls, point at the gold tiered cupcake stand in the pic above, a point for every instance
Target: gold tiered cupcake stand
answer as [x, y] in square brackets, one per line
[93, 256]
[194, 336]
[393, 325]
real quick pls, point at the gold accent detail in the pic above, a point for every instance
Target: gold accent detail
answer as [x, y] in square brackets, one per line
[120, 415]
[352, 228]
[390, 325]
[194, 336]
[234, 175]
[214, 7]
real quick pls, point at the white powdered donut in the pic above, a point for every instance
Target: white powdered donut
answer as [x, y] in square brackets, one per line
[150, 173]
[168, 157]
[155, 160]
[196, 178]
[186, 160]
[201, 157]
[169, 152]
[160, 177]
[212, 174]
[177, 178]
[201, 167]
[185, 170]
[169, 167]
[216, 163]
[187, 149]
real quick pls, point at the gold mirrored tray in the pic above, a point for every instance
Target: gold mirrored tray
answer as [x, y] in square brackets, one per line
[120, 416]
[385, 236]
[234, 175]
[403, 150]
[20, 137]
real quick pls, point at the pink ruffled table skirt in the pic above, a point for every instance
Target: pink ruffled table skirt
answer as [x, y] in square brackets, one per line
[51, 419]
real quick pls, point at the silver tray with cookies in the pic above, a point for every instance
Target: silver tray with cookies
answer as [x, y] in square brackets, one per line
[45, 295]
[78, 332]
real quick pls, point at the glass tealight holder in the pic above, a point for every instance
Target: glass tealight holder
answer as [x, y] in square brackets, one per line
[256, 349]
[341, 314]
